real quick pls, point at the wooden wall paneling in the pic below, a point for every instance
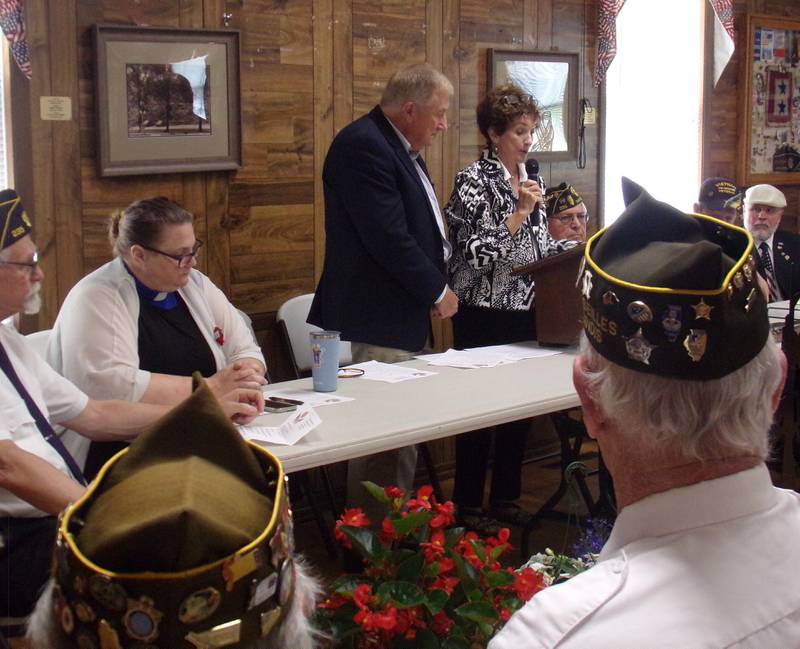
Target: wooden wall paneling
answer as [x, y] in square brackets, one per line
[66, 151]
[449, 66]
[342, 57]
[568, 20]
[530, 25]
[434, 154]
[327, 16]
[387, 34]
[191, 14]
[34, 157]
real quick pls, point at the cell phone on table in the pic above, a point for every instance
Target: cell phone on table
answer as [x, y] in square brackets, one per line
[275, 405]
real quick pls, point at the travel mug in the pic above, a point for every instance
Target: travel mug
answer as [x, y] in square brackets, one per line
[324, 360]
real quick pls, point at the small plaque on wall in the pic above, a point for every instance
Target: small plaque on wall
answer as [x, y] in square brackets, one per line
[55, 108]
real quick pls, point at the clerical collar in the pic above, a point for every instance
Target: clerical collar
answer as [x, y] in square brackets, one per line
[166, 300]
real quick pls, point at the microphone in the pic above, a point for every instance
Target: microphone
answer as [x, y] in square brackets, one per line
[532, 169]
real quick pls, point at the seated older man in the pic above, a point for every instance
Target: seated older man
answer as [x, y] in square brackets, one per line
[566, 213]
[38, 476]
[778, 251]
[679, 379]
[715, 197]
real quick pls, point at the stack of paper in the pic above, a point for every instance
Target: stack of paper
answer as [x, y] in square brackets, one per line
[487, 356]
[389, 373]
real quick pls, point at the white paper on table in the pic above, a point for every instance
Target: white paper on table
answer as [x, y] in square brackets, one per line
[464, 359]
[490, 356]
[308, 397]
[519, 351]
[296, 426]
[389, 372]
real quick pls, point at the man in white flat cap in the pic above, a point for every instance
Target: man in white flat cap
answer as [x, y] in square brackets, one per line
[778, 251]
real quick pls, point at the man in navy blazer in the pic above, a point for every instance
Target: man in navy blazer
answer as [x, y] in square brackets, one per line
[778, 251]
[385, 248]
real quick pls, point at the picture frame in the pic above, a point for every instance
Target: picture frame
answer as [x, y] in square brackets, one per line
[166, 100]
[551, 78]
[770, 103]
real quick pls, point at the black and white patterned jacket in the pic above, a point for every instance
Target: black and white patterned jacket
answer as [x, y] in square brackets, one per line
[484, 251]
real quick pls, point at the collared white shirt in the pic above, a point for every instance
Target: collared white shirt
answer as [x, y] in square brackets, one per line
[715, 564]
[55, 396]
[447, 249]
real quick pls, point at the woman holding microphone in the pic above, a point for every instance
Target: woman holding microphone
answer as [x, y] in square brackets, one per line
[496, 220]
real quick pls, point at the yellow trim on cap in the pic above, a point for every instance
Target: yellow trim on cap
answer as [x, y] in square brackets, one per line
[280, 493]
[671, 291]
[8, 217]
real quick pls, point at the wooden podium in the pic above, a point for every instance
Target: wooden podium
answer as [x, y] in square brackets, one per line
[558, 300]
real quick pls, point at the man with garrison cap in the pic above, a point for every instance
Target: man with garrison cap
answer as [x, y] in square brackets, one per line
[566, 213]
[184, 541]
[678, 378]
[715, 199]
[777, 252]
[38, 477]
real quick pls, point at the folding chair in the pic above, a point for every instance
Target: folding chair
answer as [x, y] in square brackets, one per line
[291, 318]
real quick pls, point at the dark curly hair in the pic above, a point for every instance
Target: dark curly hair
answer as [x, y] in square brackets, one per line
[501, 106]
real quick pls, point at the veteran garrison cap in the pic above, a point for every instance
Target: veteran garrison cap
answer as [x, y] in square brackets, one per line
[14, 221]
[183, 541]
[715, 192]
[672, 294]
[561, 198]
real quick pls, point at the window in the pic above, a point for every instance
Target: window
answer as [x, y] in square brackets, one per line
[654, 103]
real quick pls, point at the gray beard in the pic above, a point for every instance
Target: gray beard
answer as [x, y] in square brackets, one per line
[33, 300]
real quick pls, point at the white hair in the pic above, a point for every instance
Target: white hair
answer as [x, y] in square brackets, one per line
[726, 417]
[44, 630]
[415, 83]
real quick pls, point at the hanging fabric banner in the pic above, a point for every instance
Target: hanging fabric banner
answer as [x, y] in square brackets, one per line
[723, 35]
[12, 22]
[607, 12]
[779, 97]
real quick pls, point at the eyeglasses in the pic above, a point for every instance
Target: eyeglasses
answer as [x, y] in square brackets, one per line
[183, 260]
[567, 218]
[30, 265]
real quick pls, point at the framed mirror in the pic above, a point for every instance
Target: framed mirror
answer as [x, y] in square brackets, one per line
[770, 143]
[551, 78]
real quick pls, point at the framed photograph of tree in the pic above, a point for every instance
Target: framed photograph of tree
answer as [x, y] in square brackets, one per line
[167, 100]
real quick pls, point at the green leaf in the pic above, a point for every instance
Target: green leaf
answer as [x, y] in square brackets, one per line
[466, 573]
[498, 550]
[453, 536]
[452, 642]
[346, 584]
[480, 550]
[363, 540]
[436, 600]
[498, 578]
[375, 491]
[424, 640]
[401, 593]
[410, 569]
[479, 612]
[405, 525]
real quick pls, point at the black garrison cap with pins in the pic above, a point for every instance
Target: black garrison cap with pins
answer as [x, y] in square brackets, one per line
[672, 294]
[14, 221]
[561, 198]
